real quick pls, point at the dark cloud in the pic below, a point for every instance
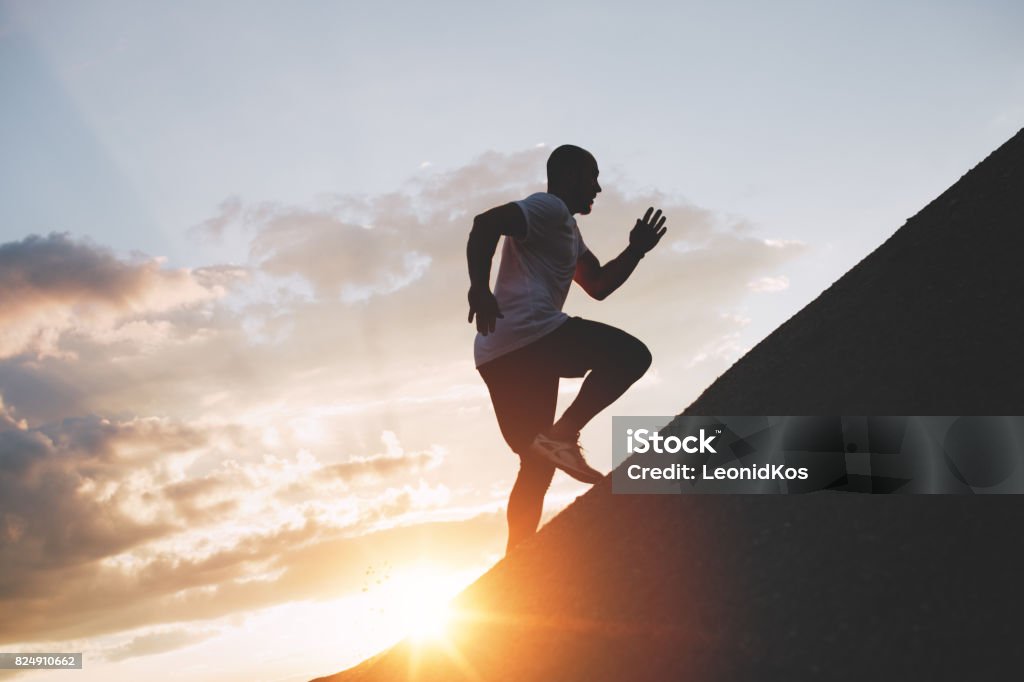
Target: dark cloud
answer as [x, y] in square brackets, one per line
[52, 284]
[42, 269]
[8, 421]
[62, 501]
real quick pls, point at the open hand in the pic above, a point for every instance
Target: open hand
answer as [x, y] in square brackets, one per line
[483, 304]
[647, 232]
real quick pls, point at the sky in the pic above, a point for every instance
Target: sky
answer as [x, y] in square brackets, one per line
[239, 420]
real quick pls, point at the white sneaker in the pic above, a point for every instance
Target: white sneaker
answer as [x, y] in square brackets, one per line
[567, 456]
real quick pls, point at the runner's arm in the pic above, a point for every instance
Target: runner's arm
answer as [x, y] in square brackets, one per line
[601, 280]
[488, 227]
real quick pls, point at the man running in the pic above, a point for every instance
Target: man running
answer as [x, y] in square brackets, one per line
[525, 342]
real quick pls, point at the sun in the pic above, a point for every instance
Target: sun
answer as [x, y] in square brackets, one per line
[425, 617]
[417, 601]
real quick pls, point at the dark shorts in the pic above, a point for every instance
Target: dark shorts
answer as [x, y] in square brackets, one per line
[524, 383]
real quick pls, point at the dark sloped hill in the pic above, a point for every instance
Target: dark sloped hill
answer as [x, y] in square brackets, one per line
[824, 586]
[929, 323]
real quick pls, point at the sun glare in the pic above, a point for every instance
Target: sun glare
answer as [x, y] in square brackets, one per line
[426, 617]
[417, 601]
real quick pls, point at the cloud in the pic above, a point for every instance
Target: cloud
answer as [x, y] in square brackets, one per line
[156, 643]
[97, 514]
[54, 284]
[386, 289]
[339, 258]
[78, 491]
[301, 562]
[229, 212]
[768, 285]
[395, 461]
[7, 419]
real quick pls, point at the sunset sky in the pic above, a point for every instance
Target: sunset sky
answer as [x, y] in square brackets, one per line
[240, 426]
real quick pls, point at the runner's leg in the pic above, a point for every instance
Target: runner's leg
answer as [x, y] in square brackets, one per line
[526, 502]
[524, 393]
[615, 360]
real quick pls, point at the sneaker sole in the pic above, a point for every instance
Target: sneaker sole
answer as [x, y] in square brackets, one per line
[582, 475]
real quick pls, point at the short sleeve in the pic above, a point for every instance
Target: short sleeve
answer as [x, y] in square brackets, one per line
[541, 209]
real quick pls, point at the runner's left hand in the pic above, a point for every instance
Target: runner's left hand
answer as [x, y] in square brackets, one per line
[647, 232]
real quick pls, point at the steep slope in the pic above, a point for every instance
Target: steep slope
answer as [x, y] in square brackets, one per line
[822, 586]
[929, 323]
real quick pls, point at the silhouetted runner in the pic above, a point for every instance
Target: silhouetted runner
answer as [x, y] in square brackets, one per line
[525, 343]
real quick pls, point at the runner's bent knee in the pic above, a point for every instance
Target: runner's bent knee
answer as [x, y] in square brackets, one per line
[640, 358]
[631, 356]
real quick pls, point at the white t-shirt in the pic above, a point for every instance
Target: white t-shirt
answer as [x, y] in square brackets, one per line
[534, 277]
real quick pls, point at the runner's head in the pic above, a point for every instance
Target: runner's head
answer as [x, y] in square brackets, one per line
[572, 176]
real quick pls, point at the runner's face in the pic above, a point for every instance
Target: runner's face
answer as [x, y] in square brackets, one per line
[587, 188]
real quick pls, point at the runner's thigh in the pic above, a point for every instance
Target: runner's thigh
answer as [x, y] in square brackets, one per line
[580, 345]
[524, 393]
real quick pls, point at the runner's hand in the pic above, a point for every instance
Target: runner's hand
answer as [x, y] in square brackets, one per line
[483, 304]
[647, 232]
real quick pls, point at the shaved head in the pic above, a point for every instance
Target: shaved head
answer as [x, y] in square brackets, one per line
[567, 161]
[572, 176]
